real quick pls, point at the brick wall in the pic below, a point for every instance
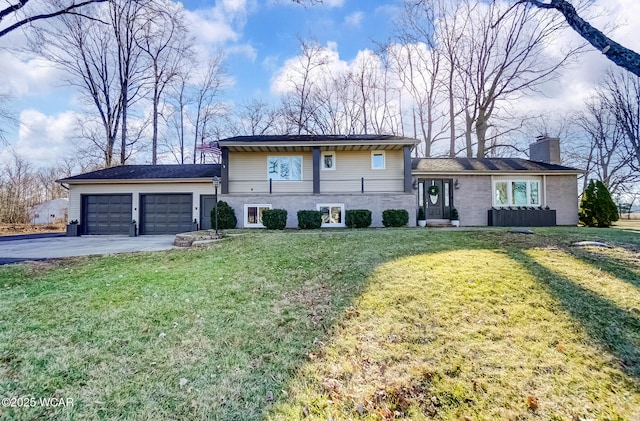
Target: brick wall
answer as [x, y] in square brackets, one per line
[293, 203]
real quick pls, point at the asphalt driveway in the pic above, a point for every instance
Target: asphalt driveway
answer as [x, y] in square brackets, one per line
[20, 248]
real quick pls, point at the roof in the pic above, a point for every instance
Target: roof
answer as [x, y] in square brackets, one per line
[486, 165]
[283, 143]
[149, 172]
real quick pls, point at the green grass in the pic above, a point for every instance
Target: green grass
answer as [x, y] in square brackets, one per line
[371, 324]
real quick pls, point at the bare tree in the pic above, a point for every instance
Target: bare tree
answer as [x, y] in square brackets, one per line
[127, 19]
[18, 189]
[502, 58]
[298, 105]
[21, 15]
[166, 44]
[620, 55]
[177, 101]
[204, 100]
[254, 118]
[419, 64]
[84, 50]
[605, 157]
[46, 179]
[103, 59]
[621, 93]
[6, 116]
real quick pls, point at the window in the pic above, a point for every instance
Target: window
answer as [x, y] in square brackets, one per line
[377, 160]
[253, 215]
[332, 214]
[516, 193]
[328, 160]
[284, 168]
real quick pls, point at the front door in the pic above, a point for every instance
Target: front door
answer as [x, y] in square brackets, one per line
[436, 198]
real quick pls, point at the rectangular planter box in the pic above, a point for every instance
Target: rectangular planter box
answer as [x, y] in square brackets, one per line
[133, 230]
[73, 230]
[529, 217]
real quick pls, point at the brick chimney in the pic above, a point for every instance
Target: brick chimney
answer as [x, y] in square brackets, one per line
[546, 149]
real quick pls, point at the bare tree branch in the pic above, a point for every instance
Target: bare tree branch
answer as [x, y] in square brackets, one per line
[620, 55]
[21, 3]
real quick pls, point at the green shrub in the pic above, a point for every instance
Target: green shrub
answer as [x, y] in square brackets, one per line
[454, 214]
[226, 216]
[309, 219]
[421, 215]
[274, 219]
[596, 207]
[358, 218]
[395, 218]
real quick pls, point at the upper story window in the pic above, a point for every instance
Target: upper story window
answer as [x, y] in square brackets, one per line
[516, 193]
[284, 168]
[328, 160]
[377, 160]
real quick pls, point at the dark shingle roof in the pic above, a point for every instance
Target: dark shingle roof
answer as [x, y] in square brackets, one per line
[149, 172]
[488, 165]
[314, 138]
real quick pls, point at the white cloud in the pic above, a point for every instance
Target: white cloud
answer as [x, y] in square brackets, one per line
[43, 138]
[270, 63]
[24, 75]
[291, 72]
[354, 20]
[334, 3]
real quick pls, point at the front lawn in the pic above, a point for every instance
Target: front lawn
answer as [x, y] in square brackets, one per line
[372, 324]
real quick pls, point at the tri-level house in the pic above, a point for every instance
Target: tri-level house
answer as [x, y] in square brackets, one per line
[331, 174]
[326, 173]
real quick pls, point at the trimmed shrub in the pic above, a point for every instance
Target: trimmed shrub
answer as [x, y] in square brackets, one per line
[596, 207]
[395, 218]
[226, 216]
[309, 219]
[358, 218]
[454, 215]
[274, 219]
[421, 214]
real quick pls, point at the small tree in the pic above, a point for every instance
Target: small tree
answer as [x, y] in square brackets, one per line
[596, 207]
[226, 216]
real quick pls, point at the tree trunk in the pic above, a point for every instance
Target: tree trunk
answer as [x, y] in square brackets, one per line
[481, 134]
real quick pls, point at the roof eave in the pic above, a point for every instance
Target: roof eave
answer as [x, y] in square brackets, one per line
[499, 172]
[135, 181]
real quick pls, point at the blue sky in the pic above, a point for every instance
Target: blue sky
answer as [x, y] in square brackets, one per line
[259, 38]
[271, 32]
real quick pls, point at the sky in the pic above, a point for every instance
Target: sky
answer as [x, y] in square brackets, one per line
[260, 39]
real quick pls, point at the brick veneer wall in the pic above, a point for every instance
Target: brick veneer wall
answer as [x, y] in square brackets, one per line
[293, 203]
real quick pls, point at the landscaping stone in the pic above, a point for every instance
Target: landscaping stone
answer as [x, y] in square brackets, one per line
[520, 231]
[590, 244]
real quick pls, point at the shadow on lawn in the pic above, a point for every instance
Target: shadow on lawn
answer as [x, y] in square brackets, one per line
[613, 327]
[610, 264]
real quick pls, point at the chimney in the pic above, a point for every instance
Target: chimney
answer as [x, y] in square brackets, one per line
[546, 149]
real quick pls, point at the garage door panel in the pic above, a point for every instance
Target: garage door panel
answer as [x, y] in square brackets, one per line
[166, 213]
[107, 214]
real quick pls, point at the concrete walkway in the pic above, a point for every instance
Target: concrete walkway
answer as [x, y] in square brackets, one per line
[17, 250]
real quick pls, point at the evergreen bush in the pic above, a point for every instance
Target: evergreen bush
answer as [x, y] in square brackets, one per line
[358, 218]
[421, 214]
[274, 219]
[596, 207]
[395, 217]
[309, 219]
[226, 216]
